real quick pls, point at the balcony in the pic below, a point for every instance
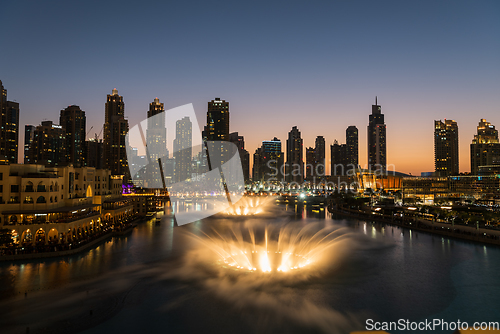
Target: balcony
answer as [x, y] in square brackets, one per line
[62, 220]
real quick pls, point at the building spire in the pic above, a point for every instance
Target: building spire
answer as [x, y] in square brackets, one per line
[376, 101]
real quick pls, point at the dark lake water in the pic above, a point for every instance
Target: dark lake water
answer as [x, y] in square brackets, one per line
[141, 283]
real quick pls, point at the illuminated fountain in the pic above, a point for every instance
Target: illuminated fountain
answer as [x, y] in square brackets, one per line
[269, 249]
[263, 266]
[248, 206]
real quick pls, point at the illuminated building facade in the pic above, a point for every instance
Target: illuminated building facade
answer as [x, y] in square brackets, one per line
[377, 150]
[268, 161]
[352, 150]
[344, 157]
[470, 187]
[9, 128]
[59, 205]
[183, 149]
[294, 157]
[217, 128]
[446, 148]
[156, 139]
[115, 130]
[29, 132]
[485, 147]
[73, 120]
[49, 145]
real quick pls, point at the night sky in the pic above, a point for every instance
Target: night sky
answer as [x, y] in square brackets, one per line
[316, 65]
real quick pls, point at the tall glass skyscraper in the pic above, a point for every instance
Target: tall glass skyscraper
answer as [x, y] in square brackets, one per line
[183, 149]
[294, 157]
[377, 151]
[9, 128]
[485, 147]
[446, 147]
[217, 128]
[115, 130]
[73, 121]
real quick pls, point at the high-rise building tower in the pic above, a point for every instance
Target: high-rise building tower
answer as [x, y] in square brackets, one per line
[377, 153]
[94, 153]
[218, 120]
[351, 136]
[315, 161]
[49, 145]
[337, 156]
[29, 132]
[294, 157]
[156, 139]
[183, 149]
[257, 163]
[485, 147]
[344, 158]
[217, 128]
[271, 160]
[310, 163]
[9, 128]
[115, 130]
[446, 148]
[239, 141]
[73, 120]
[319, 157]
[156, 134]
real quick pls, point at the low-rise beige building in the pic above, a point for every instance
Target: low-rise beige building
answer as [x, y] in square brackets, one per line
[59, 205]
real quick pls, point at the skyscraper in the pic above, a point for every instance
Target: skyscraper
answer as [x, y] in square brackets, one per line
[94, 153]
[344, 157]
[239, 141]
[217, 128]
[9, 128]
[337, 156]
[446, 148]
[115, 130]
[49, 145]
[319, 157]
[271, 160]
[377, 155]
[29, 132]
[156, 139]
[485, 147]
[257, 163]
[183, 149]
[73, 120]
[315, 161]
[294, 157]
[218, 120]
[351, 136]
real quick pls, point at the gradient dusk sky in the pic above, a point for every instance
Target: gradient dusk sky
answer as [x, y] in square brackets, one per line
[314, 64]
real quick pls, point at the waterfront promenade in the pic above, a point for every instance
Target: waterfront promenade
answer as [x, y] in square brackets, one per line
[470, 233]
[47, 251]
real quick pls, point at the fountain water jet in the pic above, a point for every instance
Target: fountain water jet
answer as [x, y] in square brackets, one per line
[269, 248]
[248, 206]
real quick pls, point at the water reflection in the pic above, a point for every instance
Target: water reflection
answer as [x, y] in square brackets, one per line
[395, 273]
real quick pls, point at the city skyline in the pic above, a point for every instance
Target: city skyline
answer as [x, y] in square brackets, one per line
[440, 64]
[88, 130]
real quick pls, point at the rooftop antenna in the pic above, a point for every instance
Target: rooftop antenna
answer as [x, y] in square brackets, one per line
[376, 101]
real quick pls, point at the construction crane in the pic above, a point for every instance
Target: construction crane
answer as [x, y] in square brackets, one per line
[98, 135]
[87, 135]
